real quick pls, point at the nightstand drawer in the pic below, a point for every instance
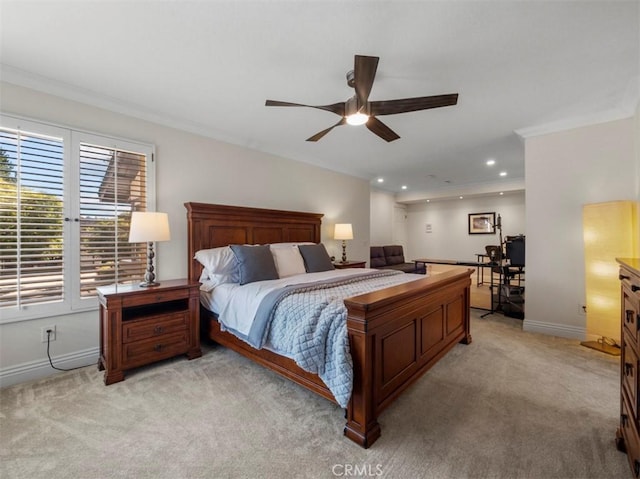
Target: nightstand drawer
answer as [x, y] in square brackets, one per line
[154, 297]
[155, 326]
[150, 350]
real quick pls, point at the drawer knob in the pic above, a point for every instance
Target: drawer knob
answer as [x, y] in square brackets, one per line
[158, 330]
[158, 347]
[628, 317]
[622, 276]
[628, 369]
[635, 287]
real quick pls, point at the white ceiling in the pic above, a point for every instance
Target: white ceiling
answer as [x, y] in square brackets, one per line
[208, 67]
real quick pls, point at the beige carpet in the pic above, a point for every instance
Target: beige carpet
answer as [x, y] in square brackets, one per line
[510, 405]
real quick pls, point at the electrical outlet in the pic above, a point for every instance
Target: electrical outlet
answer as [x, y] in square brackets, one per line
[44, 334]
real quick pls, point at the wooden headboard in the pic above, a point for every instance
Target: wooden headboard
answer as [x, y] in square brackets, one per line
[211, 226]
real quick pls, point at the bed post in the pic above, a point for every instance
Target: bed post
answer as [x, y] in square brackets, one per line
[362, 426]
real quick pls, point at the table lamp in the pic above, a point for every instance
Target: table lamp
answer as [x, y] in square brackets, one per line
[343, 231]
[148, 226]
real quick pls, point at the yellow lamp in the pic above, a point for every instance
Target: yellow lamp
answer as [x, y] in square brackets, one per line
[610, 231]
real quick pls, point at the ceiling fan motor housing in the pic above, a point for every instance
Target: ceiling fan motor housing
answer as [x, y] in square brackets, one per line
[351, 78]
[352, 107]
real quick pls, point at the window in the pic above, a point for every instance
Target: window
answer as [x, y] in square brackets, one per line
[31, 219]
[66, 199]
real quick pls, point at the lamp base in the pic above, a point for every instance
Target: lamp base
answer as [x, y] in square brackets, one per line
[602, 347]
[149, 284]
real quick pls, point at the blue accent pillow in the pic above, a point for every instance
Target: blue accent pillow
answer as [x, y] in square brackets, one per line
[255, 263]
[316, 258]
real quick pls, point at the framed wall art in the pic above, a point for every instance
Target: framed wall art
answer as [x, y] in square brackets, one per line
[482, 223]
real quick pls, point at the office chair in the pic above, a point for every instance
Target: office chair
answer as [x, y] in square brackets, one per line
[514, 295]
[494, 253]
[515, 252]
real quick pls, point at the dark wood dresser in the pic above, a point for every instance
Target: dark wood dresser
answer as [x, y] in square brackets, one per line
[627, 436]
[139, 326]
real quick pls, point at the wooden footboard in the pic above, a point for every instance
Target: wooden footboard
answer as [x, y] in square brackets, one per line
[396, 335]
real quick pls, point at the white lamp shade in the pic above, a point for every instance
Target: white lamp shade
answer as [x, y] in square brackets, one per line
[343, 231]
[149, 226]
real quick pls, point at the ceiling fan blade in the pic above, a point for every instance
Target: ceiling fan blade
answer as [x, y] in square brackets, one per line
[320, 134]
[337, 108]
[364, 73]
[382, 130]
[391, 107]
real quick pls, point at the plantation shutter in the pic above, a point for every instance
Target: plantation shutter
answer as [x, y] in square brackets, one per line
[32, 255]
[113, 184]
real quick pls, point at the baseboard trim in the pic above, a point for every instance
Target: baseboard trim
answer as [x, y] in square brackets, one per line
[554, 329]
[41, 368]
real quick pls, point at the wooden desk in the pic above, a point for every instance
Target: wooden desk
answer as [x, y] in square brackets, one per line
[453, 262]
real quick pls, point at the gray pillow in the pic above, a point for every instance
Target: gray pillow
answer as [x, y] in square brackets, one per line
[255, 263]
[315, 257]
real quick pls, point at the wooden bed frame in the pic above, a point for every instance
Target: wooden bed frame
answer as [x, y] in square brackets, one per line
[395, 334]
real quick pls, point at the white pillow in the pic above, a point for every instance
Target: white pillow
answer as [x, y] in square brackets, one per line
[220, 265]
[288, 259]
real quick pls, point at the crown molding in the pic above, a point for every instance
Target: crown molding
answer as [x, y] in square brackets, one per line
[25, 79]
[577, 122]
[468, 191]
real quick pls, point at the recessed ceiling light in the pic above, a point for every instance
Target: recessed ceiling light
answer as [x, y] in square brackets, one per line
[461, 197]
[404, 187]
[501, 193]
[380, 180]
[503, 173]
[491, 162]
[428, 201]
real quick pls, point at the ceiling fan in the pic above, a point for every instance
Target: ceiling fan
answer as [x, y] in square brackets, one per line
[358, 110]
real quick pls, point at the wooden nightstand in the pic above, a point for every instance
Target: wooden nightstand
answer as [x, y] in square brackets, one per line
[139, 326]
[349, 264]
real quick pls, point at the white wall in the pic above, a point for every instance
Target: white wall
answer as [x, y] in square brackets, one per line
[189, 168]
[564, 171]
[449, 237]
[382, 219]
[637, 147]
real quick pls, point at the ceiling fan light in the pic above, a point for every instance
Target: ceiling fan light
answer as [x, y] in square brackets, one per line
[357, 119]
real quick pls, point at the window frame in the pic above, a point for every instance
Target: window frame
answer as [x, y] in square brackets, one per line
[72, 301]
